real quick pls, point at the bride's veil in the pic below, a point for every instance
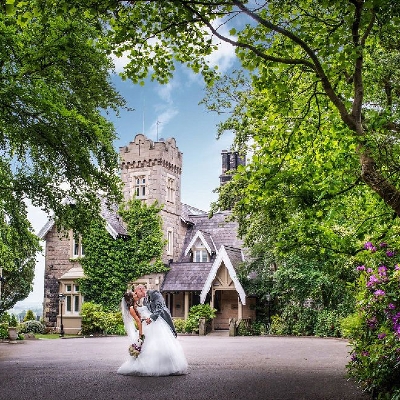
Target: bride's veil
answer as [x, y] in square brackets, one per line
[129, 323]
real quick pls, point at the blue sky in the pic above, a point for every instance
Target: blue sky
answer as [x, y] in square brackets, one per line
[176, 108]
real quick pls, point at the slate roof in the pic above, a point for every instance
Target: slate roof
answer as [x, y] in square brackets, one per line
[114, 222]
[110, 214]
[218, 233]
[187, 211]
[186, 276]
[222, 232]
[235, 255]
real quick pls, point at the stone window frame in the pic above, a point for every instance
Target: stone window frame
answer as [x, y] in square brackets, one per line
[73, 298]
[170, 241]
[77, 249]
[139, 185]
[198, 251]
[170, 188]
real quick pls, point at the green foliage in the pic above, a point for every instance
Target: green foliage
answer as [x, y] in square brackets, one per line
[29, 316]
[277, 326]
[5, 318]
[3, 330]
[180, 325]
[195, 313]
[111, 264]
[96, 321]
[351, 324]
[13, 321]
[32, 326]
[55, 143]
[375, 330]
[328, 324]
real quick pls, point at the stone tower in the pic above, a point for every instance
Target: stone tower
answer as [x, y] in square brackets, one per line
[152, 171]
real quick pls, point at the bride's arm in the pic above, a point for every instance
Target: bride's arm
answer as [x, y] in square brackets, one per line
[136, 317]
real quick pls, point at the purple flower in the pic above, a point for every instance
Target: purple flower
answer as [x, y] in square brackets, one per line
[370, 270]
[372, 281]
[390, 253]
[381, 335]
[397, 267]
[391, 306]
[379, 292]
[382, 270]
[365, 353]
[369, 246]
[383, 244]
[372, 322]
[361, 268]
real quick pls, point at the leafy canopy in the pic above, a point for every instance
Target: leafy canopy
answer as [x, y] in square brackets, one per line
[55, 143]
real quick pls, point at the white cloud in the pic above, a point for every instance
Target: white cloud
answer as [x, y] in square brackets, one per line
[161, 121]
[225, 56]
[120, 62]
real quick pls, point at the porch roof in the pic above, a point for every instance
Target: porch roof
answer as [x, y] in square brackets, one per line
[186, 276]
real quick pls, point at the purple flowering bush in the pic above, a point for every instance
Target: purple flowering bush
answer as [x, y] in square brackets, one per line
[375, 341]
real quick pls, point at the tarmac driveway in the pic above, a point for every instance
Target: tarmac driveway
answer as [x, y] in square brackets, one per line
[251, 368]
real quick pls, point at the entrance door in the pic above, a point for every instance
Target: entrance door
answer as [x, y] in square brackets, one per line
[226, 302]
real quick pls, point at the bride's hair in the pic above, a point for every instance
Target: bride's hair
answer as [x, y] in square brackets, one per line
[128, 297]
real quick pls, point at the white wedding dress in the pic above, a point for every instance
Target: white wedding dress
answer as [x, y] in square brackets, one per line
[161, 352]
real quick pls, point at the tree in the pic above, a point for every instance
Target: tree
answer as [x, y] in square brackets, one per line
[29, 316]
[325, 71]
[111, 264]
[55, 143]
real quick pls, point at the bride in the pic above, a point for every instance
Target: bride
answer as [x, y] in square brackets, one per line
[155, 349]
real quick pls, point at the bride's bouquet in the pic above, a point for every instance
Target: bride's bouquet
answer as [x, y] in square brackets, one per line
[136, 348]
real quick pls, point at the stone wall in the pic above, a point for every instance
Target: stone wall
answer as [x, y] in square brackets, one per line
[57, 262]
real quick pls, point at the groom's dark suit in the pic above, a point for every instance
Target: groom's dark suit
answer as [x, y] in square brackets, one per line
[154, 301]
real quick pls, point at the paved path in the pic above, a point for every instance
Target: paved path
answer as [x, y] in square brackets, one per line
[250, 368]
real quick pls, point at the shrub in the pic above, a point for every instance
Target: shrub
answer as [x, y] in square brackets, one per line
[350, 325]
[179, 325]
[32, 327]
[259, 328]
[13, 321]
[244, 328]
[327, 324]
[298, 320]
[197, 312]
[375, 339]
[4, 330]
[277, 326]
[29, 316]
[97, 321]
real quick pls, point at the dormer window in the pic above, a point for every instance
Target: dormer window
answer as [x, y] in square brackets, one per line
[200, 255]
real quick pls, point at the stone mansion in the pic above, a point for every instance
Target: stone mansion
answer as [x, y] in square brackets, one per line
[202, 253]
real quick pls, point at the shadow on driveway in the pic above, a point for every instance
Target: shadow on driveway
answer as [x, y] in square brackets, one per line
[251, 368]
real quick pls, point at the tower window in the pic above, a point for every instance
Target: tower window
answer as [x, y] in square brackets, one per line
[171, 189]
[140, 187]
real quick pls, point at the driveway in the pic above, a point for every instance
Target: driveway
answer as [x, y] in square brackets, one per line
[220, 367]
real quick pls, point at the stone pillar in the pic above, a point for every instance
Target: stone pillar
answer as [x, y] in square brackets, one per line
[202, 326]
[232, 327]
[240, 309]
[186, 306]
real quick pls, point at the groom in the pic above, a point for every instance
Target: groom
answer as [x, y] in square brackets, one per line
[154, 301]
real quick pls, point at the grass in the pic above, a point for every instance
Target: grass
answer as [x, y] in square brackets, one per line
[53, 336]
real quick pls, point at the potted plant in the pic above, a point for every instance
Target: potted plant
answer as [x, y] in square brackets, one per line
[12, 328]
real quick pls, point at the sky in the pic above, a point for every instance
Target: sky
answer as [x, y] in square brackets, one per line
[165, 111]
